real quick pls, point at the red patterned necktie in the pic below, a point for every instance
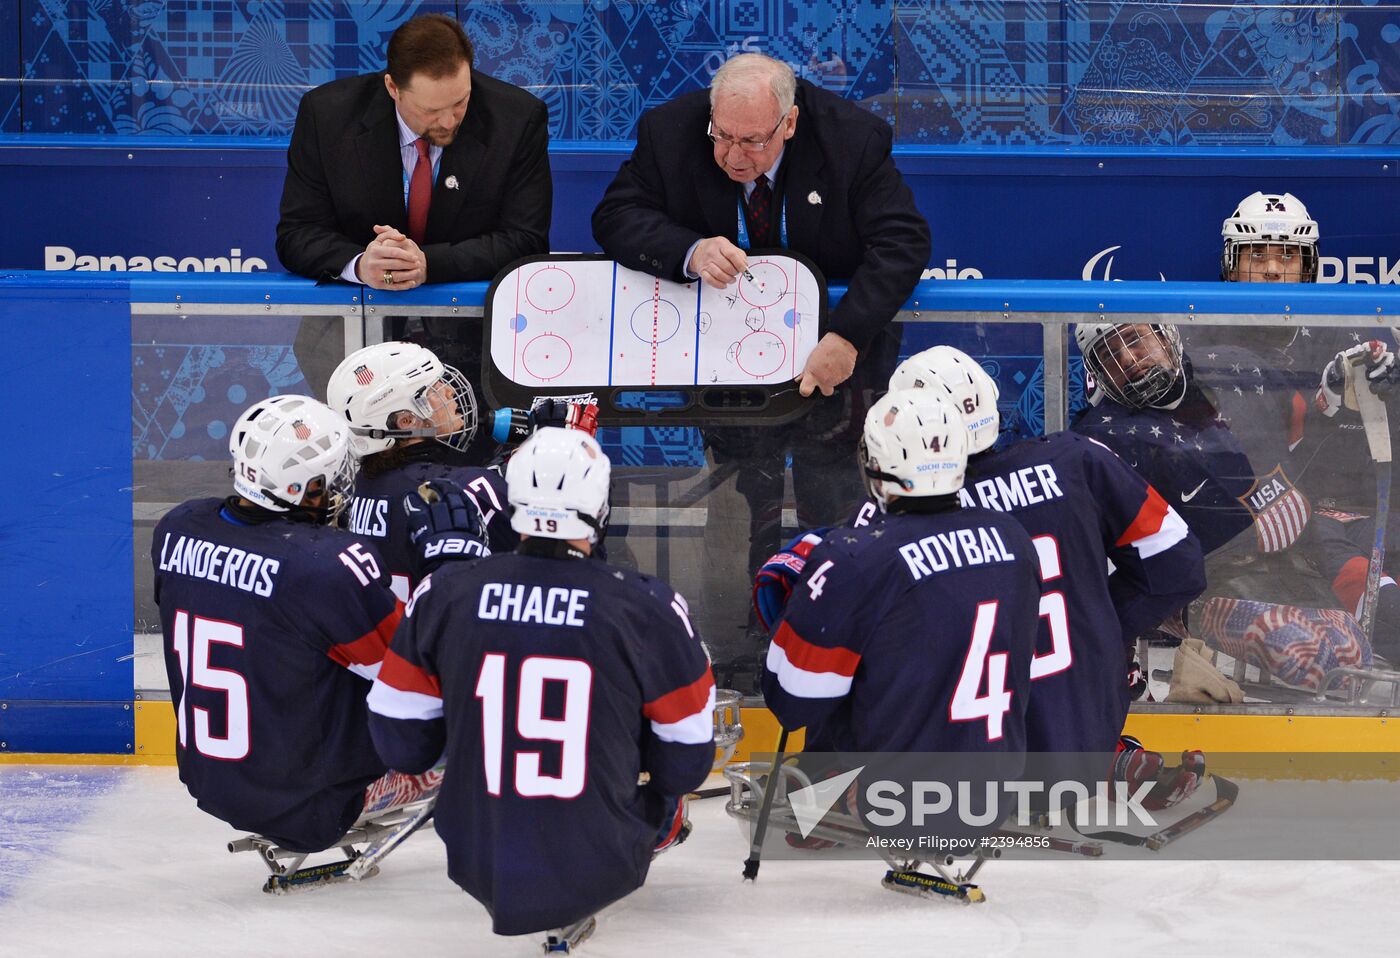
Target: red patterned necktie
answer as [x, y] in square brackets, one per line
[760, 205]
[420, 193]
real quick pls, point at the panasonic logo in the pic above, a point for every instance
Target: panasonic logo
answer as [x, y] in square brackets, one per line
[950, 270]
[61, 258]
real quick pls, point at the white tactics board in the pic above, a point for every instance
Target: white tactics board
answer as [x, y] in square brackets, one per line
[587, 322]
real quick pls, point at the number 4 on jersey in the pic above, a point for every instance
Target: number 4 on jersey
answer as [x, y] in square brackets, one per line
[968, 705]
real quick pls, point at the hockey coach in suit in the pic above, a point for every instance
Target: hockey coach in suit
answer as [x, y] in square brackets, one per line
[428, 172]
[762, 160]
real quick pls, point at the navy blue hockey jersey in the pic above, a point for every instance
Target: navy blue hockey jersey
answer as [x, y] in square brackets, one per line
[377, 513]
[1087, 512]
[273, 631]
[1222, 457]
[554, 683]
[914, 633]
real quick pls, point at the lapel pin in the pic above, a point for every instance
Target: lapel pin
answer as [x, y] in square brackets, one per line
[814, 198]
[451, 183]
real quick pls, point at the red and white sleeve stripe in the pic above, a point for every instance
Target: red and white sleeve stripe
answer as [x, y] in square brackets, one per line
[364, 654]
[810, 671]
[405, 691]
[687, 715]
[1156, 528]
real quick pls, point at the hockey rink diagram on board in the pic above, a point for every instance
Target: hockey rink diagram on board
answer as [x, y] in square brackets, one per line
[593, 323]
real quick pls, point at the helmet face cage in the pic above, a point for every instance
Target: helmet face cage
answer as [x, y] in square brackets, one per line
[1270, 239]
[428, 400]
[289, 449]
[373, 385]
[964, 382]
[1272, 262]
[1137, 365]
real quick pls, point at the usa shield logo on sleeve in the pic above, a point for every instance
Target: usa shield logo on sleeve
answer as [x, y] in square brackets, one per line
[1280, 511]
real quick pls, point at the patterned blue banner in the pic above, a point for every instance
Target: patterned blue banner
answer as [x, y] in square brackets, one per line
[1072, 72]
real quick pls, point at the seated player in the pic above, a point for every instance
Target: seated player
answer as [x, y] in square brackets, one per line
[274, 625]
[1085, 509]
[565, 683]
[411, 418]
[915, 633]
[853, 651]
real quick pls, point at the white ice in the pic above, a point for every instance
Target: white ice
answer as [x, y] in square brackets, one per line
[119, 861]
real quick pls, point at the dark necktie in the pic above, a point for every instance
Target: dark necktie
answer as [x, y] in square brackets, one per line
[420, 193]
[760, 210]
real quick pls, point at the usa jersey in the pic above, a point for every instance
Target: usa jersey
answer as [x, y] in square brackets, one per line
[553, 683]
[1222, 456]
[1087, 512]
[272, 633]
[911, 634]
[377, 512]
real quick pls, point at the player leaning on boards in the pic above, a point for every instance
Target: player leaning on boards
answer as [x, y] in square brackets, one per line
[411, 417]
[563, 682]
[274, 624]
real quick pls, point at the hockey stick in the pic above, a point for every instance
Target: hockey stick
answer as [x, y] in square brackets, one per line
[1376, 421]
[765, 811]
[1226, 792]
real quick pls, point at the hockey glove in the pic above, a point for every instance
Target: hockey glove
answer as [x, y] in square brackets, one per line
[1137, 680]
[566, 415]
[772, 585]
[443, 523]
[1136, 766]
[1381, 375]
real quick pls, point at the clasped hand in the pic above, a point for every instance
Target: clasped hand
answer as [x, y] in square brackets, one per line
[392, 261]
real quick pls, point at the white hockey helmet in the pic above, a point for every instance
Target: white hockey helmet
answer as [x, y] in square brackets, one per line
[1269, 219]
[915, 444]
[373, 385]
[558, 483]
[288, 448]
[1135, 364]
[963, 381]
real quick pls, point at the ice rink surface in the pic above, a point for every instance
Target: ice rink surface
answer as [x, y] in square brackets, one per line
[101, 861]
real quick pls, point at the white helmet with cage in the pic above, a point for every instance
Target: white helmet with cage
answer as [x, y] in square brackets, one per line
[558, 483]
[290, 449]
[1263, 220]
[1135, 364]
[915, 444]
[373, 385]
[964, 382]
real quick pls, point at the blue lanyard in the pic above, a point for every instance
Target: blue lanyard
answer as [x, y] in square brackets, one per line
[744, 228]
[437, 164]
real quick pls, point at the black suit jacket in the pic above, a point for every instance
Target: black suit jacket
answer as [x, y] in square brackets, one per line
[345, 174]
[848, 209]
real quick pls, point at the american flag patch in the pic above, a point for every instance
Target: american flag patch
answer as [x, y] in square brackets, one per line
[364, 375]
[301, 430]
[1280, 511]
[1296, 645]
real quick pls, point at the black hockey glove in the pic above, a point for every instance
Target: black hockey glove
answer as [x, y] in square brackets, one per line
[443, 523]
[565, 415]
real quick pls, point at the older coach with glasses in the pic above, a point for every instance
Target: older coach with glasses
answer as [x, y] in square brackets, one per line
[763, 160]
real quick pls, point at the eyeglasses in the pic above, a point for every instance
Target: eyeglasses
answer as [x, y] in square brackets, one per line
[748, 145]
